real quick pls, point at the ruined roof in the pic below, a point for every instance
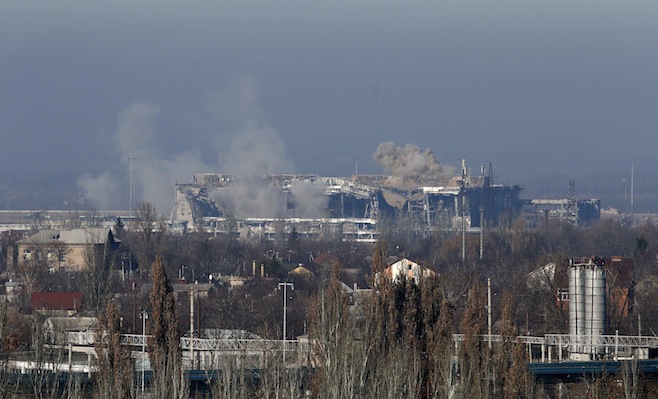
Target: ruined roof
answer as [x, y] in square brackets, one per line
[90, 235]
[407, 269]
[67, 324]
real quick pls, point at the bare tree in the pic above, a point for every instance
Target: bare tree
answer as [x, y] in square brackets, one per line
[230, 380]
[32, 273]
[516, 384]
[97, 279]
[164, 343]
[150, 230]
[443, 376]
[47, 353]
[472, 365]
[5, 374]
[114, 378]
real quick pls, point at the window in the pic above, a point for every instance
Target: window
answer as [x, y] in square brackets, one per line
[61, 255]
[563, 295]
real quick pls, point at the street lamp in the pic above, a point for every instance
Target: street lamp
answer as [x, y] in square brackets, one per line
[144, 316]
[285, 300]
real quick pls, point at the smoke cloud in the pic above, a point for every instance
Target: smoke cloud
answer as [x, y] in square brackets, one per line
[154, 175]
[309, 199]
[251, 198]
[246, 147]
[408, 162]
[100, 189]
[254, 150]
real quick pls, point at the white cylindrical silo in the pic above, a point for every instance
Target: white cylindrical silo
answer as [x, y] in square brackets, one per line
[576, 306]
[595, 311]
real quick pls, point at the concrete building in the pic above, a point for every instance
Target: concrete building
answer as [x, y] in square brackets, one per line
[404, 269]
[540, 212]
[64, 250]
[351, 209]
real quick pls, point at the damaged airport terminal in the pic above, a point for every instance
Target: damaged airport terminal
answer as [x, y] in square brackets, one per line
[354, 208]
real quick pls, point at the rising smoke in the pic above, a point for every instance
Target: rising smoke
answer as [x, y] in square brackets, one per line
[409, 163]
[100, 190]
[309, 199]
[252, 149]
[245, 144]
[154, 175]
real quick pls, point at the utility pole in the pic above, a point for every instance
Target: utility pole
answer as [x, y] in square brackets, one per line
[144, 317]
[489, 310]
[192, 326]
[632, 191]
[482, 212]
[285, 286]
[131, 159]
[463, 210]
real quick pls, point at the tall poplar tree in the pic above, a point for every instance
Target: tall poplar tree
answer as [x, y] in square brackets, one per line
[164, 340]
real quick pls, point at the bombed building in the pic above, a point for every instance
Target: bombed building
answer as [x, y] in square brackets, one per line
[417, 195]
[347, 208]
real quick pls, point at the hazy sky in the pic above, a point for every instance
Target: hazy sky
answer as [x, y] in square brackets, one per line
[567, 87]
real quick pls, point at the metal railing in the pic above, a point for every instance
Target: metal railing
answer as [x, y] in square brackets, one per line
[203, 344]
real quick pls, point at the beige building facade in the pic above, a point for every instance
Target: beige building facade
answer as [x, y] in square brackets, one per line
[63, 250]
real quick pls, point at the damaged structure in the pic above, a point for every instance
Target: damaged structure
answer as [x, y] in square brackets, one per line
[539, 212]
[360, 207]
[347, 208]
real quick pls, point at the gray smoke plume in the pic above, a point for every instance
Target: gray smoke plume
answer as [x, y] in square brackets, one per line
[309, 199]
[247, 147]
[250, 150]
[154, 175]
[409, 162]
[253, 149]
[251, 198]
[256, 150]
[100, 190]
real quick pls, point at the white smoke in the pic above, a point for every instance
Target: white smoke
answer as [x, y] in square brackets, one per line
[246, 146]
[154, 175]
[408, 162]
[251, 198]
[99, 190]
[309, 199]
[254, 150]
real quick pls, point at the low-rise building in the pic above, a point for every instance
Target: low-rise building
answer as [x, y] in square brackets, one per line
[405, 269]
[65, 250]
[56, 303]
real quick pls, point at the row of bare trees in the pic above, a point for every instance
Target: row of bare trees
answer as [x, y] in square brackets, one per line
[398, 342]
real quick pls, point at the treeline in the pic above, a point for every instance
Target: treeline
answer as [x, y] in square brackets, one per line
[398, 342]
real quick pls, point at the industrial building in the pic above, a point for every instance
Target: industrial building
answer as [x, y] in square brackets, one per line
[356, 208]
[351, 208]
[598, 295]
[540, 212]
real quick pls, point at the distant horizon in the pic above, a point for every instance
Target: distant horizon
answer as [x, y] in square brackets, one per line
[546, 91]
[609, 189]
